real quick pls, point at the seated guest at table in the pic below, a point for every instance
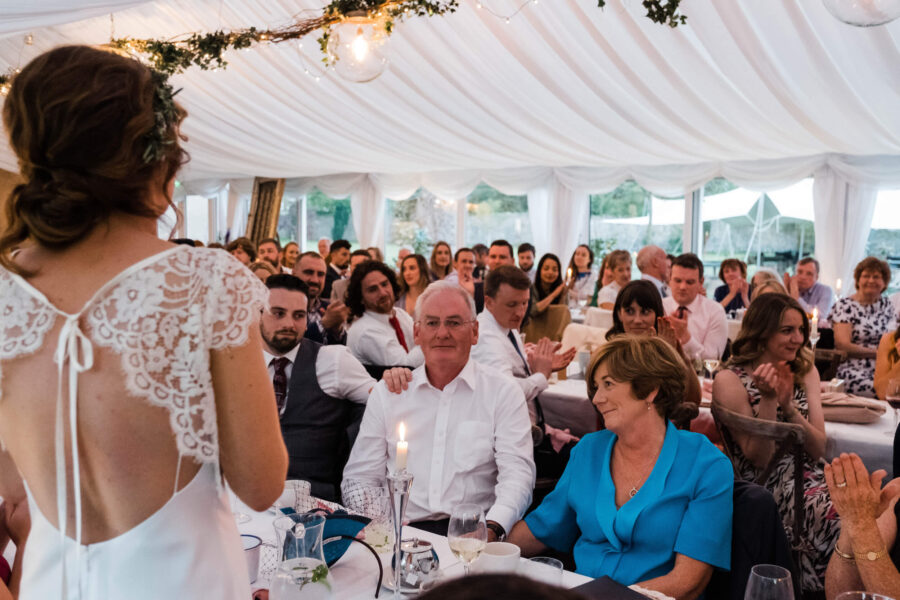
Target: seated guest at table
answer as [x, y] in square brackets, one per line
[654, 267]
[580, 278]
[699, 322]
[762, 275]
[768, 286]
[324, 246]
[866, 555]
[339, 287]
[735, 293]
[804, 287]
[439, 263]
[526, 260]
[289, 256]
[414, 278]
[269, 250]
[481, 254]
[551, 289]
[859, 321]
[326, 319]
[381, 335]
[618, 264]
[338, 261]
[243, 250]
[464, 275]
[315, 388]
[641, 501]
[887, 363]
[770, 376]
[467, 429]
[604, 277]
[639, 311]
[262, 269]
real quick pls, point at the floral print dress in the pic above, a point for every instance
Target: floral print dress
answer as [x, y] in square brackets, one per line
[821, 522]
[869, 322]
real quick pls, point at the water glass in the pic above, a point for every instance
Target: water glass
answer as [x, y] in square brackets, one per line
[467, 533]
[861, 596]
[373, 502]
[545, 569]
[769, 582]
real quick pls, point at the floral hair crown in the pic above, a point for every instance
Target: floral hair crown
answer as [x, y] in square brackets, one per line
[165, 115]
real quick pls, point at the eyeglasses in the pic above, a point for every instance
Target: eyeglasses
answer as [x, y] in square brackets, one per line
[452, 325]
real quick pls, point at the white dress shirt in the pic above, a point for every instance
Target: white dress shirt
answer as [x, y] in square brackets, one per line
[608, 293]
[707, 325]
[470, 442]
[496, 352]
[373, 341]
[339, 374]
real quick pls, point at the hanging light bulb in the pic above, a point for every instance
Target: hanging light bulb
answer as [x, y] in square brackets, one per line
[357, 47]
[864, 13]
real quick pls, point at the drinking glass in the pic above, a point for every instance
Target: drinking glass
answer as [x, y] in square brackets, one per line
[373, 502]
[467, 533]
[711, 365]
[861, 596]
[892, 395]
[769, 582]
[545, 569]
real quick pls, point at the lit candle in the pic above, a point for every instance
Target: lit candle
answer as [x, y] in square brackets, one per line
[569, 274]
[814, 324]
[837, 288]
[402, 449]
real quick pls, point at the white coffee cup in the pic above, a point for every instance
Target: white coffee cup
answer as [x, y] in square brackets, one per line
[251, 553]
[498, 557]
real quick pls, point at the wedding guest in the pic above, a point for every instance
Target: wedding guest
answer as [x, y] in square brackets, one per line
[262, 269]
[441, 257]
[381, 334]
[467, 429]
[551, 289]
[804, 287]
[401, 254]
[243, 250]
[339, 287]
[324, 247]
[639, 311]
[651, 262]
[583, 279]
[887, 363]
[414, 279]
[326, 319]
[771, 377]
[859, 321]
[605, 277]
[762, 275]
[618, 264]
[768, 286]
[641, 502]
[481, 254]
[526, 260]
[699, 322]
[500, 253]
[339, 261]
[375, 253]
[735, 293]
[269, 250]
[866, 554]
[464, 275]
[289, 256]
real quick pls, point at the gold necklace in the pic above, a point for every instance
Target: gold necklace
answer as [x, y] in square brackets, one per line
[636, 485]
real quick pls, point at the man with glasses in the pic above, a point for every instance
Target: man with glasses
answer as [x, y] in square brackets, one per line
[320, 390]
[467, 430]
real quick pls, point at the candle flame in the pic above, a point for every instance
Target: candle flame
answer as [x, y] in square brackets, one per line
[402, 432]
[815, 313]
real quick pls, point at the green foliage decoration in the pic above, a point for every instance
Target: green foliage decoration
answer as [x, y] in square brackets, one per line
[664, 12]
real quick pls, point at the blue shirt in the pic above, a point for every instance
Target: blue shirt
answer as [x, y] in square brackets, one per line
[684, 506]
[818, 296]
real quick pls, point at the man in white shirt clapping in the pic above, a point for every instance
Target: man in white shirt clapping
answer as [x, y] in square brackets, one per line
[699, 322]
[468, 432]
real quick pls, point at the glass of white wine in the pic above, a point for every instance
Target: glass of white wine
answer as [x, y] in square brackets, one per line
[711, 365]
[467, 533]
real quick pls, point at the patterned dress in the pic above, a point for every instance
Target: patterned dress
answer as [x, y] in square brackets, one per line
[869, 323]
[821, 522]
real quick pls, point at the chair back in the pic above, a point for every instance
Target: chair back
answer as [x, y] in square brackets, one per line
[583, 337]
[827, 362]
[551, 323]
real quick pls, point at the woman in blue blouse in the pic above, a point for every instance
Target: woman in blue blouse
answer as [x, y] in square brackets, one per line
[641, 501]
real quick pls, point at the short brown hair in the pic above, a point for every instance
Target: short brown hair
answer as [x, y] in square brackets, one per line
[807, 260]
[732, 263]
[647, 363]
[244, 244]
[871, 263]
[508, 274]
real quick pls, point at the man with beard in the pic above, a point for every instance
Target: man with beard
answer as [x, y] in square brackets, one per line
[325, 319]
[381, 335]
[269, 250]
[321, 391]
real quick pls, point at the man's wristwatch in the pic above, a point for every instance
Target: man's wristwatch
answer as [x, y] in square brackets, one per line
[497, 529]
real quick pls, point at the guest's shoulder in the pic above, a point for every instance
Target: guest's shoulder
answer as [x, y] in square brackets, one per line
[486, 377]
[700, 451]
[712, 306]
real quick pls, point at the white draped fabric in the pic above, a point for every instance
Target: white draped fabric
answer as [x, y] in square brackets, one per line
[564, 101]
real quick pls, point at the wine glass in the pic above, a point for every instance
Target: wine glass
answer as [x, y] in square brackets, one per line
[467, 533]
[892, 395]
[769, 582]
[711, 365]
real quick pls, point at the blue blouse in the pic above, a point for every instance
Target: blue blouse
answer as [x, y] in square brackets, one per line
[684, 506]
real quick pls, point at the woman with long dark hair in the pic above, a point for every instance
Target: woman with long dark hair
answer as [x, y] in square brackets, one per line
[548, 281]
[413, 281]
[441, 262]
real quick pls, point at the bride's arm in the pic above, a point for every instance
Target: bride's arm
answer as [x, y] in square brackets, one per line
[251, 448]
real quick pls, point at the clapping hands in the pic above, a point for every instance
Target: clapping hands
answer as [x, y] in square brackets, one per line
[775, 381]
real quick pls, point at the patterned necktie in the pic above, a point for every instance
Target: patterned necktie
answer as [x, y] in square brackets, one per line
[512, 339]
[279, 381]
[400, 337]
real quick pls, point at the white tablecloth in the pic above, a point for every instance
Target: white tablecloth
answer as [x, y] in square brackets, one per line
[566, 404]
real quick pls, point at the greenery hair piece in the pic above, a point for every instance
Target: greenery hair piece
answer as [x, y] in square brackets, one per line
[165, 115]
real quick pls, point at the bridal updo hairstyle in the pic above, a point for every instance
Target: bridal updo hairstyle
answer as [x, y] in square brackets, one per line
[80, 121]
[647, 363]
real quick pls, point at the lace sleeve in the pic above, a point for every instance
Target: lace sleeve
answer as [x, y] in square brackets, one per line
[234, 299]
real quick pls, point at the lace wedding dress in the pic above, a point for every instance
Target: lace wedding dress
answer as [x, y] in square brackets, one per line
[162, 315]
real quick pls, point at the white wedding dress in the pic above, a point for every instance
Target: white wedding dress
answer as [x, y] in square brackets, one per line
[162, 315]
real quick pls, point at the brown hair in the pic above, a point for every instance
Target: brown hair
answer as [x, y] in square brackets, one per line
[508, 274]
[79, 120]
[732, 263]
[424, 278]
[761, 321]
[647, 363]
[438, 270]
[870, 263]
